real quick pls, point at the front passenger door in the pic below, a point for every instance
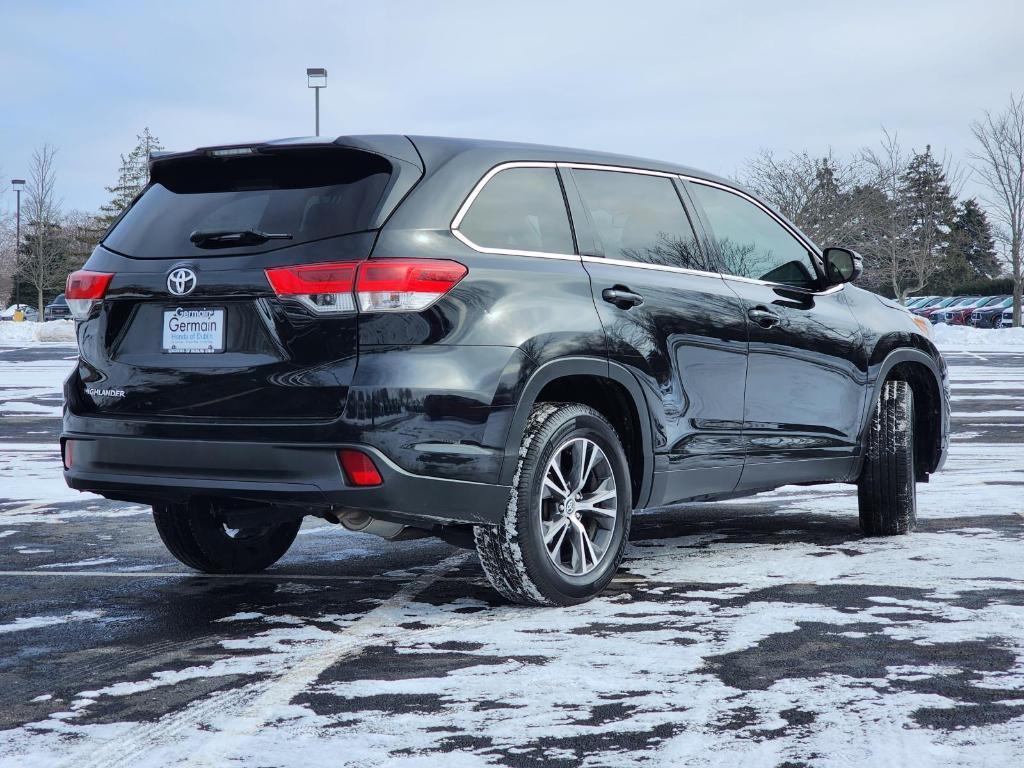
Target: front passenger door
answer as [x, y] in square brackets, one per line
[806, 369]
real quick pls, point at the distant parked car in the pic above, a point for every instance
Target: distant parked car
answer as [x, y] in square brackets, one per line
[1007, 320]
[990, 315]
[934, 301]
[946, 303]
[30, 312]
[57, 309]
[918, 301]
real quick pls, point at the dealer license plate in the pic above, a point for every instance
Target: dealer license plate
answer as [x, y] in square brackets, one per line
[193, 330]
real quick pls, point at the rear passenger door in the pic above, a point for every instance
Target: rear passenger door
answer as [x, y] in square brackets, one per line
[805, 390]
[670, 319]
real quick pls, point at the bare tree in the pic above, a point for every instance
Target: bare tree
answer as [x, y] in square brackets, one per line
[816, 193]
[41, 260]
[1000, 165]
[886, 226]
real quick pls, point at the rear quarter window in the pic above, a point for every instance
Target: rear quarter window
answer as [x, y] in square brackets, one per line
[309, 194]
[520, 209]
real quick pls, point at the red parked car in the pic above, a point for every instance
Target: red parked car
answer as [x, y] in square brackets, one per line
[960, 314]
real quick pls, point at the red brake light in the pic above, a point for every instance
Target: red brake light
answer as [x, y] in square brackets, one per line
[84, 289]
[405, 284]
[359, 468]
[84, 284]
[381, 285]
[324, 288]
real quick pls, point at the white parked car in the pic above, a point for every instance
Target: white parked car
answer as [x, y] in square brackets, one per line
[30, 312]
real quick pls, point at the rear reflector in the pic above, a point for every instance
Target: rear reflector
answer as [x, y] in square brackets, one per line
[404, 285]
[381, 285]
[68, 451]
[84, 290]
[324, 288]
[359, 468]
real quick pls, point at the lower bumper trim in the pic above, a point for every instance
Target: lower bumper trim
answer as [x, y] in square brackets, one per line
[146, 470]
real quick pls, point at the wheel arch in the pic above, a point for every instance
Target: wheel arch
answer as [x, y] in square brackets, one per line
[926, 378]
[603, 385]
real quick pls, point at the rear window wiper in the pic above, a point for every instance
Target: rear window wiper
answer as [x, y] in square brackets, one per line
[232, 237]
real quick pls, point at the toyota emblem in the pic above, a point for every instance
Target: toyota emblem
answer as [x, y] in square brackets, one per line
[181, 281]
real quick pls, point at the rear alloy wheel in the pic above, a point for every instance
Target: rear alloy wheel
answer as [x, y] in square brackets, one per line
[887, 489]
[567, 523]
[194, 535]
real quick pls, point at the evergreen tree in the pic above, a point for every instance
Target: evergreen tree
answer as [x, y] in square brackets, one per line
[970, 255]
[972, 238]
[132, 176]
[928, 208]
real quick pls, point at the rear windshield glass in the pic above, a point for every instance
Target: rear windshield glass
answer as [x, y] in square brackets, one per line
[307, 194]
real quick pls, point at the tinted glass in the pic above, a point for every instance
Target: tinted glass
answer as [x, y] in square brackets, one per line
[640, 218]
[751, 243]
[520, 209]
[308, 194]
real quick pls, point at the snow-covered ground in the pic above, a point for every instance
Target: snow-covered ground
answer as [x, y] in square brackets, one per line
[957, 337]
[52, 331]
[757, 632]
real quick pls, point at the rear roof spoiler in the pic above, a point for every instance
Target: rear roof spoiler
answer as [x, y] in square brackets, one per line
[392, 146]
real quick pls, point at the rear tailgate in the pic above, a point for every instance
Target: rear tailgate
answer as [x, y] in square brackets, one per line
[191, 328]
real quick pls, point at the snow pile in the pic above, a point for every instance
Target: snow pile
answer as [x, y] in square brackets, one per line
[953, 337]
[62, 331]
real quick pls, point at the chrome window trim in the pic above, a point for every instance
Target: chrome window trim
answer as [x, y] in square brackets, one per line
[656, 267]
[510, 252]
[617, 169]
[478, 187]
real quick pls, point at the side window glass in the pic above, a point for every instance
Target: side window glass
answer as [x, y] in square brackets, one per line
[640, 218]
[520, 209]
[751, 243]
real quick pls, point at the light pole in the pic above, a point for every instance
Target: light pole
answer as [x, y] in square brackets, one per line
[317, 79]
[17, 185]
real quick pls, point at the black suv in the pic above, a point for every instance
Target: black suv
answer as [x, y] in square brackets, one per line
[504, 345]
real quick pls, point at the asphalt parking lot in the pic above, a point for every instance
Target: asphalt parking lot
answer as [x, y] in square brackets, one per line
[764, 631]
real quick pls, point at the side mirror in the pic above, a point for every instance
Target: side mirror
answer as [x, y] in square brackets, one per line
[842, 265]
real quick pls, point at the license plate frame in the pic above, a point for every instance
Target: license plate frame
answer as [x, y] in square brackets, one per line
[193, 330]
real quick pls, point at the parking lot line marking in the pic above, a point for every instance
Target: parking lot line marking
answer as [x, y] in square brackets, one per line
[253, 704]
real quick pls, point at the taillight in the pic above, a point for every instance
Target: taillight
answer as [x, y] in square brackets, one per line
[324, 288]
[380, 285]
[84, 290]
[359, 468]
[404, 285]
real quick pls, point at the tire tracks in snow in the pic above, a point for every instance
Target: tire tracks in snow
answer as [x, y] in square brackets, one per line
[247, 707]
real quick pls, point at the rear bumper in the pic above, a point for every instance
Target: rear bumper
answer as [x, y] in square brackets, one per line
[145, 470]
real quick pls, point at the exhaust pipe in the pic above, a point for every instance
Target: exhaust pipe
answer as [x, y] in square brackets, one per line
[360, 522]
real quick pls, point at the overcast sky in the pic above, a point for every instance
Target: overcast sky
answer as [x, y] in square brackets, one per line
[698, 83]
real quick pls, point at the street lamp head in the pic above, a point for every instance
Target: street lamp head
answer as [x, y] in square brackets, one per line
[317, 77]
[17, 184]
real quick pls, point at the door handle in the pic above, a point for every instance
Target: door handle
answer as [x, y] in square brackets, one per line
[764, 317]
[622, 297]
